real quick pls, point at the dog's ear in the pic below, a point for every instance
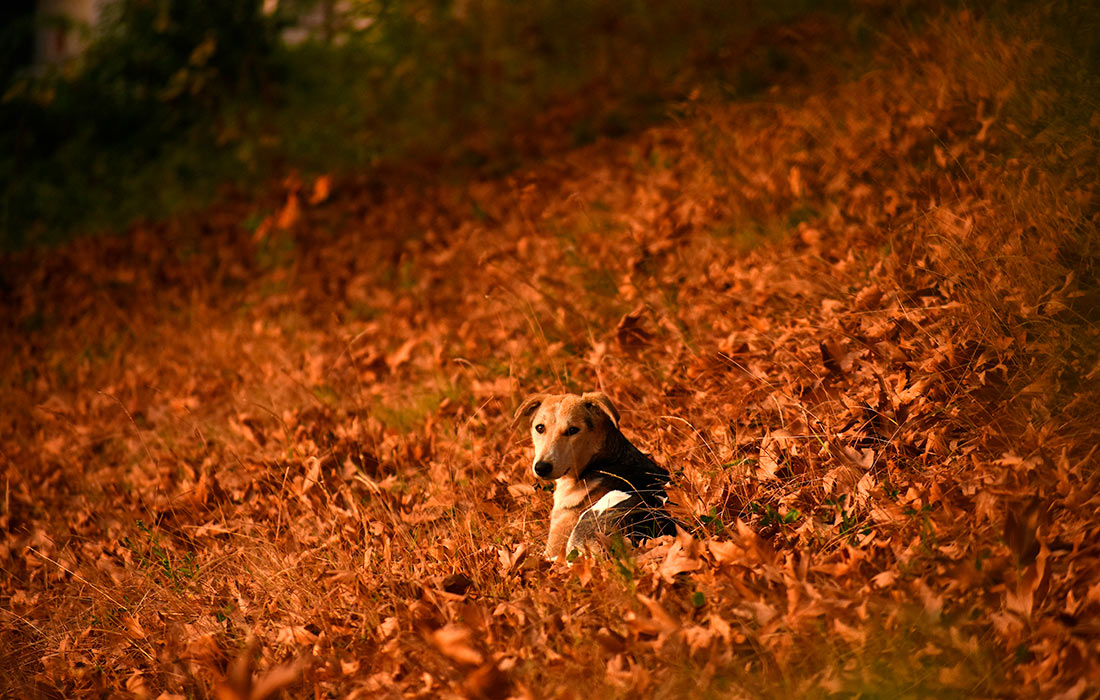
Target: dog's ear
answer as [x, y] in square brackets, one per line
[528, 407]
[599, 401]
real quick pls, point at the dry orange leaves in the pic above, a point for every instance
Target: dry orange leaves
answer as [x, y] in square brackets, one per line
[855, 318]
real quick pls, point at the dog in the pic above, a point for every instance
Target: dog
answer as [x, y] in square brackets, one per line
[603, 484]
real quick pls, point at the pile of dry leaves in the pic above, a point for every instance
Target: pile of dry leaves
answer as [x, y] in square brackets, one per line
[857, 318]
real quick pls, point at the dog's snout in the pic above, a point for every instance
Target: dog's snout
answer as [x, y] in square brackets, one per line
[543, 469]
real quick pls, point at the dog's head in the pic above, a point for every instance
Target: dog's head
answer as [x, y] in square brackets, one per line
[568, 430]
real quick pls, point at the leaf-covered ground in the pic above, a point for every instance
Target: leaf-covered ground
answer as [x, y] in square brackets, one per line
[856, 317]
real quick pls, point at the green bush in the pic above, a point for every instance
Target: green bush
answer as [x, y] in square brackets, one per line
[78, 139]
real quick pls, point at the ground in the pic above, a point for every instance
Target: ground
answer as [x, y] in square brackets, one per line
[856, 316]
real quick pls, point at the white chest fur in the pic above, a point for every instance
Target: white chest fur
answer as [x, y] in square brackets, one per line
[571, 494]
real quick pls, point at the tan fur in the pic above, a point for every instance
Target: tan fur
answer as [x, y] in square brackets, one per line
[567, 431]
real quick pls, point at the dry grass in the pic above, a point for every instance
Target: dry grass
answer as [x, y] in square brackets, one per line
[856, 318]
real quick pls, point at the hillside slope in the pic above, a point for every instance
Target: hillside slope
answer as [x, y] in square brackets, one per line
[857, 318]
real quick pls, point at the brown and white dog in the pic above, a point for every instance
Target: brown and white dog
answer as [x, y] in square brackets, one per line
[603, 484]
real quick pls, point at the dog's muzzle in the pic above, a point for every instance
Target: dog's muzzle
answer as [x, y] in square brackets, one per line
[543, 469]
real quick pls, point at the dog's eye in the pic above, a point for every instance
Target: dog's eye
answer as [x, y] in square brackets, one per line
[572, 430]
[540, 428]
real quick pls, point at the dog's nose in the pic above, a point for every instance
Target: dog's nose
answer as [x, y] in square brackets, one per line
[543, 469]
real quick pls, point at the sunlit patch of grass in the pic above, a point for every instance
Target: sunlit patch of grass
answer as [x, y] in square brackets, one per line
[919, 654]
[327, 394]
[746, 236]
[409, 411]
[150, 553]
